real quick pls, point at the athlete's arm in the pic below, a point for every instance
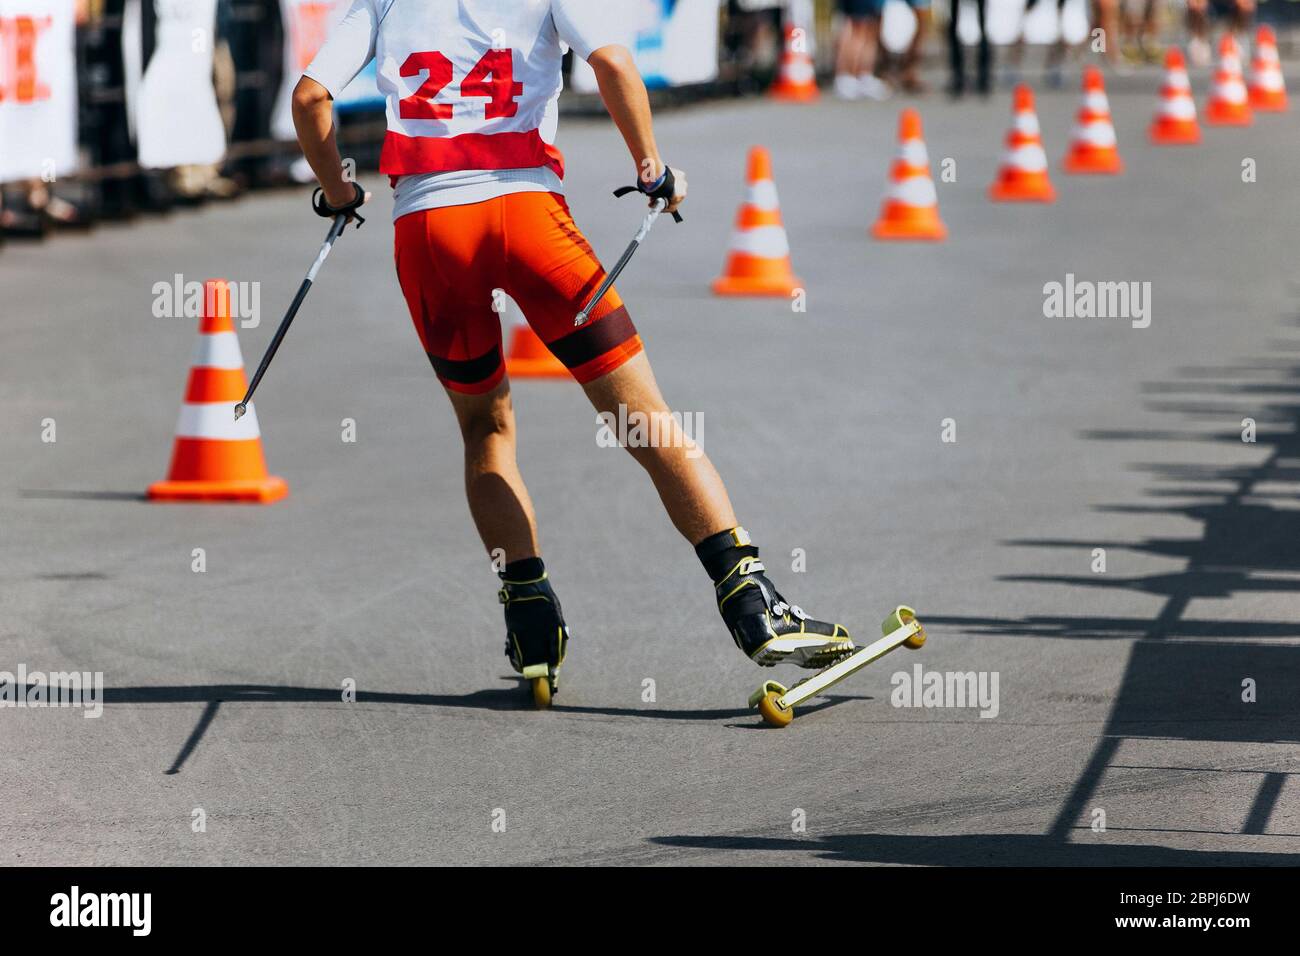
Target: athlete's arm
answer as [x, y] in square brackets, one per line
[625, 98]
[313, 118]
[351, 45]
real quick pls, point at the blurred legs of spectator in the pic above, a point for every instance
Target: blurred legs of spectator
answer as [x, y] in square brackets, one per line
[1140, 20]
[907, 76]
[856, 51]
[29, 209]
[1236, 13]
[1052, 58]
[957, 54]
[1106, 15]
[196, 184]
[752, 41]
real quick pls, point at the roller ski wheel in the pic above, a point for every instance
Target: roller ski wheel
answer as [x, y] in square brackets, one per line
[776, 703]
[768, 701]
[541, 687]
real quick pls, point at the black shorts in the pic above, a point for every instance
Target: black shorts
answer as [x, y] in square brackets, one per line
[860, 9]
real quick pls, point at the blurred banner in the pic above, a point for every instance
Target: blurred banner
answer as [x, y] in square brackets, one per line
[167, 46]
[675, 42]
[38, 89]
[307, 23]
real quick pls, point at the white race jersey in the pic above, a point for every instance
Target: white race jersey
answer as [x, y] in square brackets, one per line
[470, 89]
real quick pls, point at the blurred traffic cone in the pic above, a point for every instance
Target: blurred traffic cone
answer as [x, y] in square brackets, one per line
[528, 356]
[911, 206]
[1023, 174]
[1175, 122]
[796, 78]
[217, 458]
[1092, 143]
[1229, 104]
[1267, 87]
[758, 257]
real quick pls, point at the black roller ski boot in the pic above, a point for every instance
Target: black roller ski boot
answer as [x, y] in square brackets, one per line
[536, 635]
[767, 627]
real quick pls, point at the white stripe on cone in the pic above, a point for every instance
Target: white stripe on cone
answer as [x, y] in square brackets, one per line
[1100, 133]
[1027, 123]
[766, 242]
[217, 350]
[215, 421]
[1177, 80]
[797, 71]
[1270, 81]
[1028, 157]
[1181, 108]
[762, 194]
[1230, 91]
[913, 152]
[1096, 102]
[916, 191]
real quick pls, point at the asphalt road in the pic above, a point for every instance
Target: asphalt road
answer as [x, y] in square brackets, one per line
[1118, 692]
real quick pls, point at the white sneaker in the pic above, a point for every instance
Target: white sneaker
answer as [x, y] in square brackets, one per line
[847, 87]
[874, 88]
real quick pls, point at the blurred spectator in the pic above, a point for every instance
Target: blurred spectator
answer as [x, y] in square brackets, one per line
[1141, 23]
[903, 70]
[1052, 59]
[957, 53]
[1237, 14]
[855, 53]
[751, 40]
[1106, 14]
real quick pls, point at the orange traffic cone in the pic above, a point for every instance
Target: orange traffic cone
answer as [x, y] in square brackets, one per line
[1175, 122]
[1267, 87]
[796, 78]
[1023, 174]
[911, 206]
[528, 356]
[1092, 143]
[216, 458]
[758, 256]
[1229, 105]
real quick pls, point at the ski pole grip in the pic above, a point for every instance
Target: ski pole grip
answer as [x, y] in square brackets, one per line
[622, 191]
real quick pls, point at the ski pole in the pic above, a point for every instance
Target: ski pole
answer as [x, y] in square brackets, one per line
[626, 257]
[340, 222]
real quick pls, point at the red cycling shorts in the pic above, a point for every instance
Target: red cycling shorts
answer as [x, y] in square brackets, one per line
[449, 261]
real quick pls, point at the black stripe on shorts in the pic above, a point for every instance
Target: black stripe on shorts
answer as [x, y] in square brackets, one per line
[467, 371]
[594, 339]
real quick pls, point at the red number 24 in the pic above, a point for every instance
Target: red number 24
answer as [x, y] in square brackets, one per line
[492, 77]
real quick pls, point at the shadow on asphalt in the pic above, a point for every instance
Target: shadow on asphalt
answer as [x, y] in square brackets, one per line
[498, 699]
[979, 849]
[1185, 676]
[83, 495]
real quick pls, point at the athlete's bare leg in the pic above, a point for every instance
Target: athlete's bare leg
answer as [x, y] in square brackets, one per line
[688, 484]
[498, 500]
[686, 480]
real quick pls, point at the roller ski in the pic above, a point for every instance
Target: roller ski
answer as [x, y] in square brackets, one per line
[776, 702]
[536, 635]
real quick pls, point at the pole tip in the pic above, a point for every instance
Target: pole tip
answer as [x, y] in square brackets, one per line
[239, 411]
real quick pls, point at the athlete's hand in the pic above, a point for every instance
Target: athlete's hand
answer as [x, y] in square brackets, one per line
[670, 187]
[679, 190]
[347, 199]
